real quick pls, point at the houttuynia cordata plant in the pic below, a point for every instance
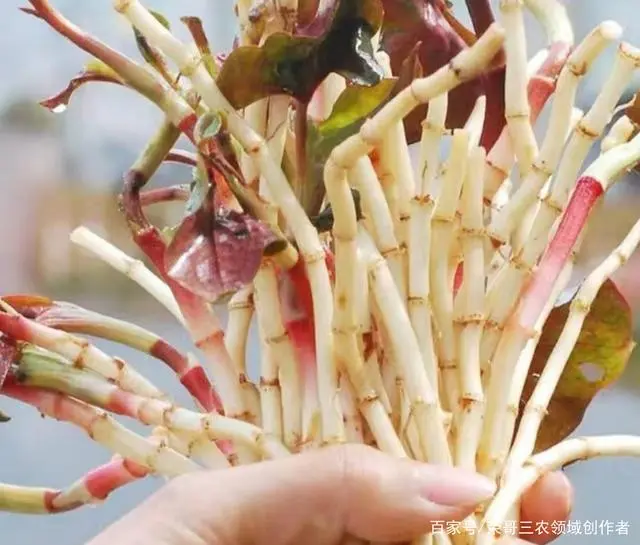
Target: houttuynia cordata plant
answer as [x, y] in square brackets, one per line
[411, 309]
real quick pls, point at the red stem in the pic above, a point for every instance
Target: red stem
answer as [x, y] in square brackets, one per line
[481, 15]
[587, 193]
[181, 157]
[543, 84]
[164, 194]
[134, 75]
[99, 482]
[52, 404]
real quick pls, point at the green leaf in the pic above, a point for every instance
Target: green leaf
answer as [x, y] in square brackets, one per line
[296, 65]
[148, 53]
[208, 126]
[354, 105]
[199, 189]
[598, 359]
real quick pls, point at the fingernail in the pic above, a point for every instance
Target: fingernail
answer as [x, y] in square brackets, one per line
[454, 487]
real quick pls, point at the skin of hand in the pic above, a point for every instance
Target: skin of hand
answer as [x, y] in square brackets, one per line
[320, 498]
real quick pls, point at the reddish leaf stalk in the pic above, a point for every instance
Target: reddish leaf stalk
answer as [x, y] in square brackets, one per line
[92, 420]
[297, 310]
[539, 89]
[299, 325]
[164, 194]
[95, 486]
[481, 15]
[182, 157]
[135, 76]
[61, 99]
[203, 325]
[81, 353]
[542, 85]
[52, 404]
[587, 193]
[73, 319]
[194, 24]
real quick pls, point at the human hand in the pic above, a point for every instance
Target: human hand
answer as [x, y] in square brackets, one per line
[319, 498]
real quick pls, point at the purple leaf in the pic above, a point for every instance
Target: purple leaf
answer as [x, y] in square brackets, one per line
[215, 256]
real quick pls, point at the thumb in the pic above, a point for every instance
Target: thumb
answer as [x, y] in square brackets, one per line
[319, 496]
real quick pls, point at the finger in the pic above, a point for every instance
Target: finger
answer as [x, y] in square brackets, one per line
[545, 507]
[318, 497]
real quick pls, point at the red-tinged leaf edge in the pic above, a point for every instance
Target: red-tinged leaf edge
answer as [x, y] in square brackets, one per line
[215, 256]
[407, 22]
[95, 73]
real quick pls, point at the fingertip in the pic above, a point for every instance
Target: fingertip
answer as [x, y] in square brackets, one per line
[545, 507]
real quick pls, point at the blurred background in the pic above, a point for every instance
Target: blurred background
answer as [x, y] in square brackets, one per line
[58, 171]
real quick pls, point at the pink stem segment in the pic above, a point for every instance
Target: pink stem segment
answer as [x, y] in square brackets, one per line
[587, 192]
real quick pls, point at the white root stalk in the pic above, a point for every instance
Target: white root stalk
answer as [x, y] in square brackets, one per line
[539, 401]
[256, 115]
[424, 406]
[502, 295]
[606, 169]
[470, 408]
[517, 109]
[201, 449]
[345, 321]
[374, 373]
[433, 129]
[210, 426]
[501, 157]
[523, 228]
[569, 450]
[520, 374]
[325, 96]
[553, 16]
[280, 383]
[442, 228]
[577, 66]
[280, 191]
[130, 267]
[105, 430]
[270, 394]
[363, 177]
[522, 366]
[83, 355]
[395, 161]
[620, 132]
[402, 417]
[353, 421]
[240, 311]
